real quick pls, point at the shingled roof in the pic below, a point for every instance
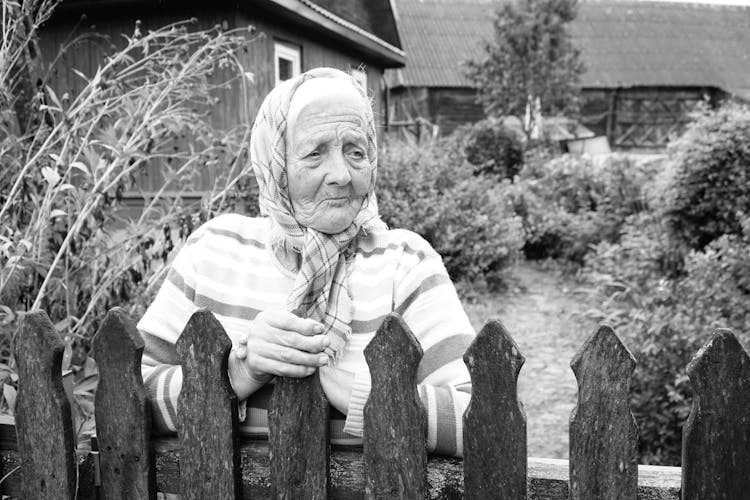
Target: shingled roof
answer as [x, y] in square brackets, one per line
[623, 43]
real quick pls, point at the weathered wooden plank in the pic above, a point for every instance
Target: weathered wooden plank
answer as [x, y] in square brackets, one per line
[395, 422]
[123, 411]
[716, 439]
[207, 412]
[298, 436]
[547, 478]
[46, 440]
[603, 432]
[494, 422]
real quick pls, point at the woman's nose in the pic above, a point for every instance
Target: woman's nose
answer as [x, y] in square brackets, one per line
[338, 171]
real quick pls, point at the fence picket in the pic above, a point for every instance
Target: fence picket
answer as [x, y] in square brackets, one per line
[298, 438]
[603, 432]
[123, 411]
[207, 412]
[395, 422]
[494, 422]
[44, 426]
[716, 437]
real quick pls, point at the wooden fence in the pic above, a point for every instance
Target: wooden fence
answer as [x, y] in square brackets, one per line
[210, 460]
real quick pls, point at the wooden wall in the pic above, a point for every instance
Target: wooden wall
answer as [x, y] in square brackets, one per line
[632, 118]
[233, 109]
[446, 108]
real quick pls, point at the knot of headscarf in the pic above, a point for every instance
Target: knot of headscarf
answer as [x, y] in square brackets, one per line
[321, 289]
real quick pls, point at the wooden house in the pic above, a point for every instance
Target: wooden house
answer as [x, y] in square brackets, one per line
[647, 64]
[297, 35]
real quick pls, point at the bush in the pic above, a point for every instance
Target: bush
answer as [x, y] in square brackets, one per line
[492, 148]
[665, 320]
[711, 179]
[570, 203]
[467, 219]
[64, 245]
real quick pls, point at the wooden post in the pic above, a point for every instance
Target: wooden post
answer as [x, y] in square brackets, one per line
[395, 422]
[299, 438]
[603, 432]
[44, 427]
[123, 412]
[298, 435]
[207, 412]
[494, 422]
[716, 438]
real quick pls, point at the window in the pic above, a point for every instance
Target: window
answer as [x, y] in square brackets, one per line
[361, 77]
[287, 61]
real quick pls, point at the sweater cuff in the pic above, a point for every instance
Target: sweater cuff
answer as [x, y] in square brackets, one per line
[354, 424]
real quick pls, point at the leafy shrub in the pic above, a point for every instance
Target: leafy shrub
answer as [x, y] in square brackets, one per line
[64, 245]
[492, 148]
[665, 320]
[570, 203]
[711, 179]
[467, 219]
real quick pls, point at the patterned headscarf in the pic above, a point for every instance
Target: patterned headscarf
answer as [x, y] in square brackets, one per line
[320, 289]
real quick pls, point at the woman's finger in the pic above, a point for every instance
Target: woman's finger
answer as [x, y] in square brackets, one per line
[290, 355]
[281, 368]
[312, 344]
[284, 320]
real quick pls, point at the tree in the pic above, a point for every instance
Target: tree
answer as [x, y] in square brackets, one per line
[530, 67]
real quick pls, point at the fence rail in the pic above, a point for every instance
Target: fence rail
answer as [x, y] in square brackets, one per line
[210, 458]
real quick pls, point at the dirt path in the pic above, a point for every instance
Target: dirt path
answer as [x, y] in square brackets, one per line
[544, 318]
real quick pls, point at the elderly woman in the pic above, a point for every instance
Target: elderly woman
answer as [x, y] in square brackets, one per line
[321, 249]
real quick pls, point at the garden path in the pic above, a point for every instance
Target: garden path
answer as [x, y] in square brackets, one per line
[544, 316]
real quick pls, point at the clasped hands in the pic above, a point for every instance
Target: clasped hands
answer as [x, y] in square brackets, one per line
[280, 343]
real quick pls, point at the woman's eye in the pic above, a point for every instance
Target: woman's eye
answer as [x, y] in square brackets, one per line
[357, 154]
[314, 154]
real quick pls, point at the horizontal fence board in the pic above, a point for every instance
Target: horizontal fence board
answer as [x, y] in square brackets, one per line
[548, 478]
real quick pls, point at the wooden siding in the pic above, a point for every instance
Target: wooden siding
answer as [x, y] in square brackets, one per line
[631, 118]
[113, 24]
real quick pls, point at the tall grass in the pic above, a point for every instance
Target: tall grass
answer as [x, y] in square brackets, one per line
[64, 246]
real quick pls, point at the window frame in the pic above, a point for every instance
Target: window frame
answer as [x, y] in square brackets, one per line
[288, 52]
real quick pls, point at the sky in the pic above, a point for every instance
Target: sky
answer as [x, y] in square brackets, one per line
[720, 2]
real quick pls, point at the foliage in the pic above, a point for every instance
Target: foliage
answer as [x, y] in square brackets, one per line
[711, 179]
[531, 63]
[466, 218]
[570, 203]
[666, 317]
[492, 148]
[66, 245]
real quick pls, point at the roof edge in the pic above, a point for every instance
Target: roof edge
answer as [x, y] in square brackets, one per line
[374, 46]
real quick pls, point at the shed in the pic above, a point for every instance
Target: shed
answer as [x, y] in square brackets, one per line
[352, 35]
[647, 63]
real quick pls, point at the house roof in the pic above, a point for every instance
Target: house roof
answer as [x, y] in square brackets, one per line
[623, 43]
[367, 26]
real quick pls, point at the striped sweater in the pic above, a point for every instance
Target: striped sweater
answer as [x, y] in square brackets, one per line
[228, 267]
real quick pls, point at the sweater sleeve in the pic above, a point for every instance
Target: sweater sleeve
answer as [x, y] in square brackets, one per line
[160, 327]
[426, 299]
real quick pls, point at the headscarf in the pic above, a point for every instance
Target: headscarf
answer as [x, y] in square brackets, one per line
[321, 288]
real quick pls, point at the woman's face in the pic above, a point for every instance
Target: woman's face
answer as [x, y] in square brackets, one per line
[327, 166]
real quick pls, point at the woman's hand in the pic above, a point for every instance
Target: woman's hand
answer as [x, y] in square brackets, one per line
[278, 343]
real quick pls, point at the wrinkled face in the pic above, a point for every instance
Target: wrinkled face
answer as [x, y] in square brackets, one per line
[327, 166]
